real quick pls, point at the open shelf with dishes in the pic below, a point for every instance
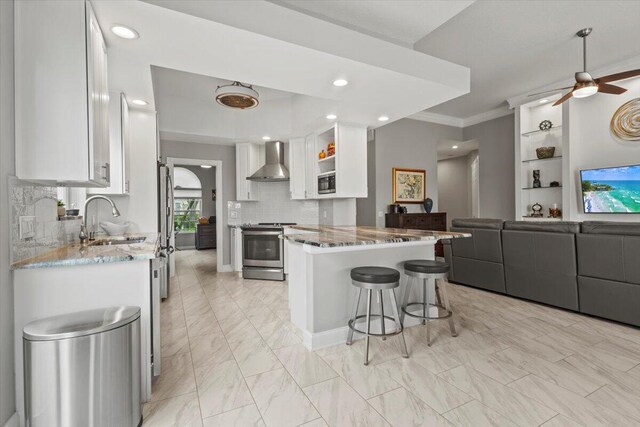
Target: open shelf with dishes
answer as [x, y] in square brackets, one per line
[539, 157]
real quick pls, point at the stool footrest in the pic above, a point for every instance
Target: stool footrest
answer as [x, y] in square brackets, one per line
[372, 334]
[417, 316]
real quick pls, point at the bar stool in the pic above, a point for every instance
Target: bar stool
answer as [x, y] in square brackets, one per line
[375, 279]
[424, 269]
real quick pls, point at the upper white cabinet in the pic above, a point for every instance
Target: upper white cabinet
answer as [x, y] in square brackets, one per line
[247, 162]
[297, 168]
[61, 94]
[119, 141]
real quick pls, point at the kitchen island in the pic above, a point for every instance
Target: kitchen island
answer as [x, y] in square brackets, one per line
[320, 259]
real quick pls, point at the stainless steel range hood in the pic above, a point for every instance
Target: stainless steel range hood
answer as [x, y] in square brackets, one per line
[274, 170]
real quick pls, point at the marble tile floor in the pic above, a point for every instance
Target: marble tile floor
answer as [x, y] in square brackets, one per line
[230, 357]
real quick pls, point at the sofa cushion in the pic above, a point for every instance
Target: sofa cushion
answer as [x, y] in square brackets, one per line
[480, 274]
[611, 300]
[541, 266]
[547, 227]
[494, 224]
[610, 227]
[610, 257]
[483, 245]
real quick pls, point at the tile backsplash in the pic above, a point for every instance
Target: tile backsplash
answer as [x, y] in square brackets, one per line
[274, 205]
[39, 202]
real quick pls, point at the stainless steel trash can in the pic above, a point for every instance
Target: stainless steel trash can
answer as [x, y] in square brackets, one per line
[83, 369]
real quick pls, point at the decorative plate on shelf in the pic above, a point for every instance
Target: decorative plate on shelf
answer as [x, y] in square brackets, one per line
[625, 123]
[545, 125]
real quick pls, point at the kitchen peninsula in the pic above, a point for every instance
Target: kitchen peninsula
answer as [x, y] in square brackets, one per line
[321, 296]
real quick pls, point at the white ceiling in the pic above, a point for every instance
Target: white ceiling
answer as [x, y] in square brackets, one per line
[270, 46]
[446, 150]
[402, 22]
[514, 47]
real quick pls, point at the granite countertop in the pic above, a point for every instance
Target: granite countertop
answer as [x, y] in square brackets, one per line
[75, 254]
[325, 236]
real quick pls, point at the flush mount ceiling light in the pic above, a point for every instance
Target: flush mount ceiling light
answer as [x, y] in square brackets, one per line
[124, 32]
[139, 102]
[237, 95]
[383, 118]
[206, 166]
[585, 84]
[331, 116]
[340, 82]
[266, 137]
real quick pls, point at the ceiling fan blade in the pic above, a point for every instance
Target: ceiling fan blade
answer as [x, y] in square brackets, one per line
[618, 76]
[564, 98]
[612, 89]
[551, 90]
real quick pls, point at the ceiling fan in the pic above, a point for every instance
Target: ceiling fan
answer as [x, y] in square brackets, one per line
[585, 84]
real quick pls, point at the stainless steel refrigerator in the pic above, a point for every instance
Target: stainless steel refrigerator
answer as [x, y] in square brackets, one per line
[165, 226]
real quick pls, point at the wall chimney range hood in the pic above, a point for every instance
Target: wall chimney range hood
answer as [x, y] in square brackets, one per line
[274, 170]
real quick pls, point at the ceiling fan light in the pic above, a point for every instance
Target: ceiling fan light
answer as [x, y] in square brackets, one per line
[585, 91]
[237, 95]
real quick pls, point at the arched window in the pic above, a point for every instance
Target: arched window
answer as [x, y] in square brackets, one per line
[187, 205]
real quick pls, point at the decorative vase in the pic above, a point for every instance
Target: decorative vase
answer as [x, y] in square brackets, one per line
[536, 179]
[545, 152]
[428, 205]
[61, 211]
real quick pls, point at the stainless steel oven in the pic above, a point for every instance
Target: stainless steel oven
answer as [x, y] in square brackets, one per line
[327, 183]
[263, 251]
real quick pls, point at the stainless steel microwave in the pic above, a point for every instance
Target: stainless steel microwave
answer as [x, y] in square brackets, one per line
[327, 183]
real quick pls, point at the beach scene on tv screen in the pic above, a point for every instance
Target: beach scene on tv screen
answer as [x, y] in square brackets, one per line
[611, 190]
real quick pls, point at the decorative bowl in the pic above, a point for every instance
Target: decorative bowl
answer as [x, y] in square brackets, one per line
[73, 212]
[203, 221]
[113, 229]
[545, 152]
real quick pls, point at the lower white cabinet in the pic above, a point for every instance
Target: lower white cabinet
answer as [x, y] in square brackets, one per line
[247, 162]
[236, 248]
[118, 147]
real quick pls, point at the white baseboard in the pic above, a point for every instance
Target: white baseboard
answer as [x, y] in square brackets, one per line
[318, 340]
[13, 421]
[226, 268]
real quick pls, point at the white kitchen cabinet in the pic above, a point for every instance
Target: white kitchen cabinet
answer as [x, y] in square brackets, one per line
[298, 168]
[119, 141]
[236, 248]
[247, 162]
[311, 179]
[61, 94]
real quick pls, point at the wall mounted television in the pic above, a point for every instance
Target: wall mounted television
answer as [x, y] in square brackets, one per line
[611, 190]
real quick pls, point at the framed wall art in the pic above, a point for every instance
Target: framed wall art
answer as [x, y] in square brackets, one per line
[409, 185]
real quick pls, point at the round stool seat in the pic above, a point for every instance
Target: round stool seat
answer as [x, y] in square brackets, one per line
[426, 266]
[375, 275]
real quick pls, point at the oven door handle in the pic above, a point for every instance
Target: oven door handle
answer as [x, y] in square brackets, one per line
[261, 233]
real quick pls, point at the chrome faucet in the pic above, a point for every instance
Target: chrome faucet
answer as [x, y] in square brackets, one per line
[83, 227]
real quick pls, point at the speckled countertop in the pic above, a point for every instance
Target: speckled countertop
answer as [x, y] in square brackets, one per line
[325, 236]
[75, 254]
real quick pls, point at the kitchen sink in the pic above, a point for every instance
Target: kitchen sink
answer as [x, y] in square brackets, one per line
[118, 241]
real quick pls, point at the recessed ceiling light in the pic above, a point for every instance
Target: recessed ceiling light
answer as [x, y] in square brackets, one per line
[383, 118]
[139, 102]
[266, 137]
[340, 82]
[331, 116]
[455, 147]
[124, 32]
[206, 166]
[543, 101]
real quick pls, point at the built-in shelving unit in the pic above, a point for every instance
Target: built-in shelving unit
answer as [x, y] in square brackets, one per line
[528, 138]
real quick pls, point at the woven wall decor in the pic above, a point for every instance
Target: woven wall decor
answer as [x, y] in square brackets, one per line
[625, 123]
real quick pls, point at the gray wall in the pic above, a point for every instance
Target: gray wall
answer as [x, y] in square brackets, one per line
[227, 155]
[497, 172]
[411, 144]
[366, 208]
[454, 190]
[7, 167]
[207, 179]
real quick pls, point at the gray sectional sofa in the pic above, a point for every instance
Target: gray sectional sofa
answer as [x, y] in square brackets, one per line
[590, 267]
